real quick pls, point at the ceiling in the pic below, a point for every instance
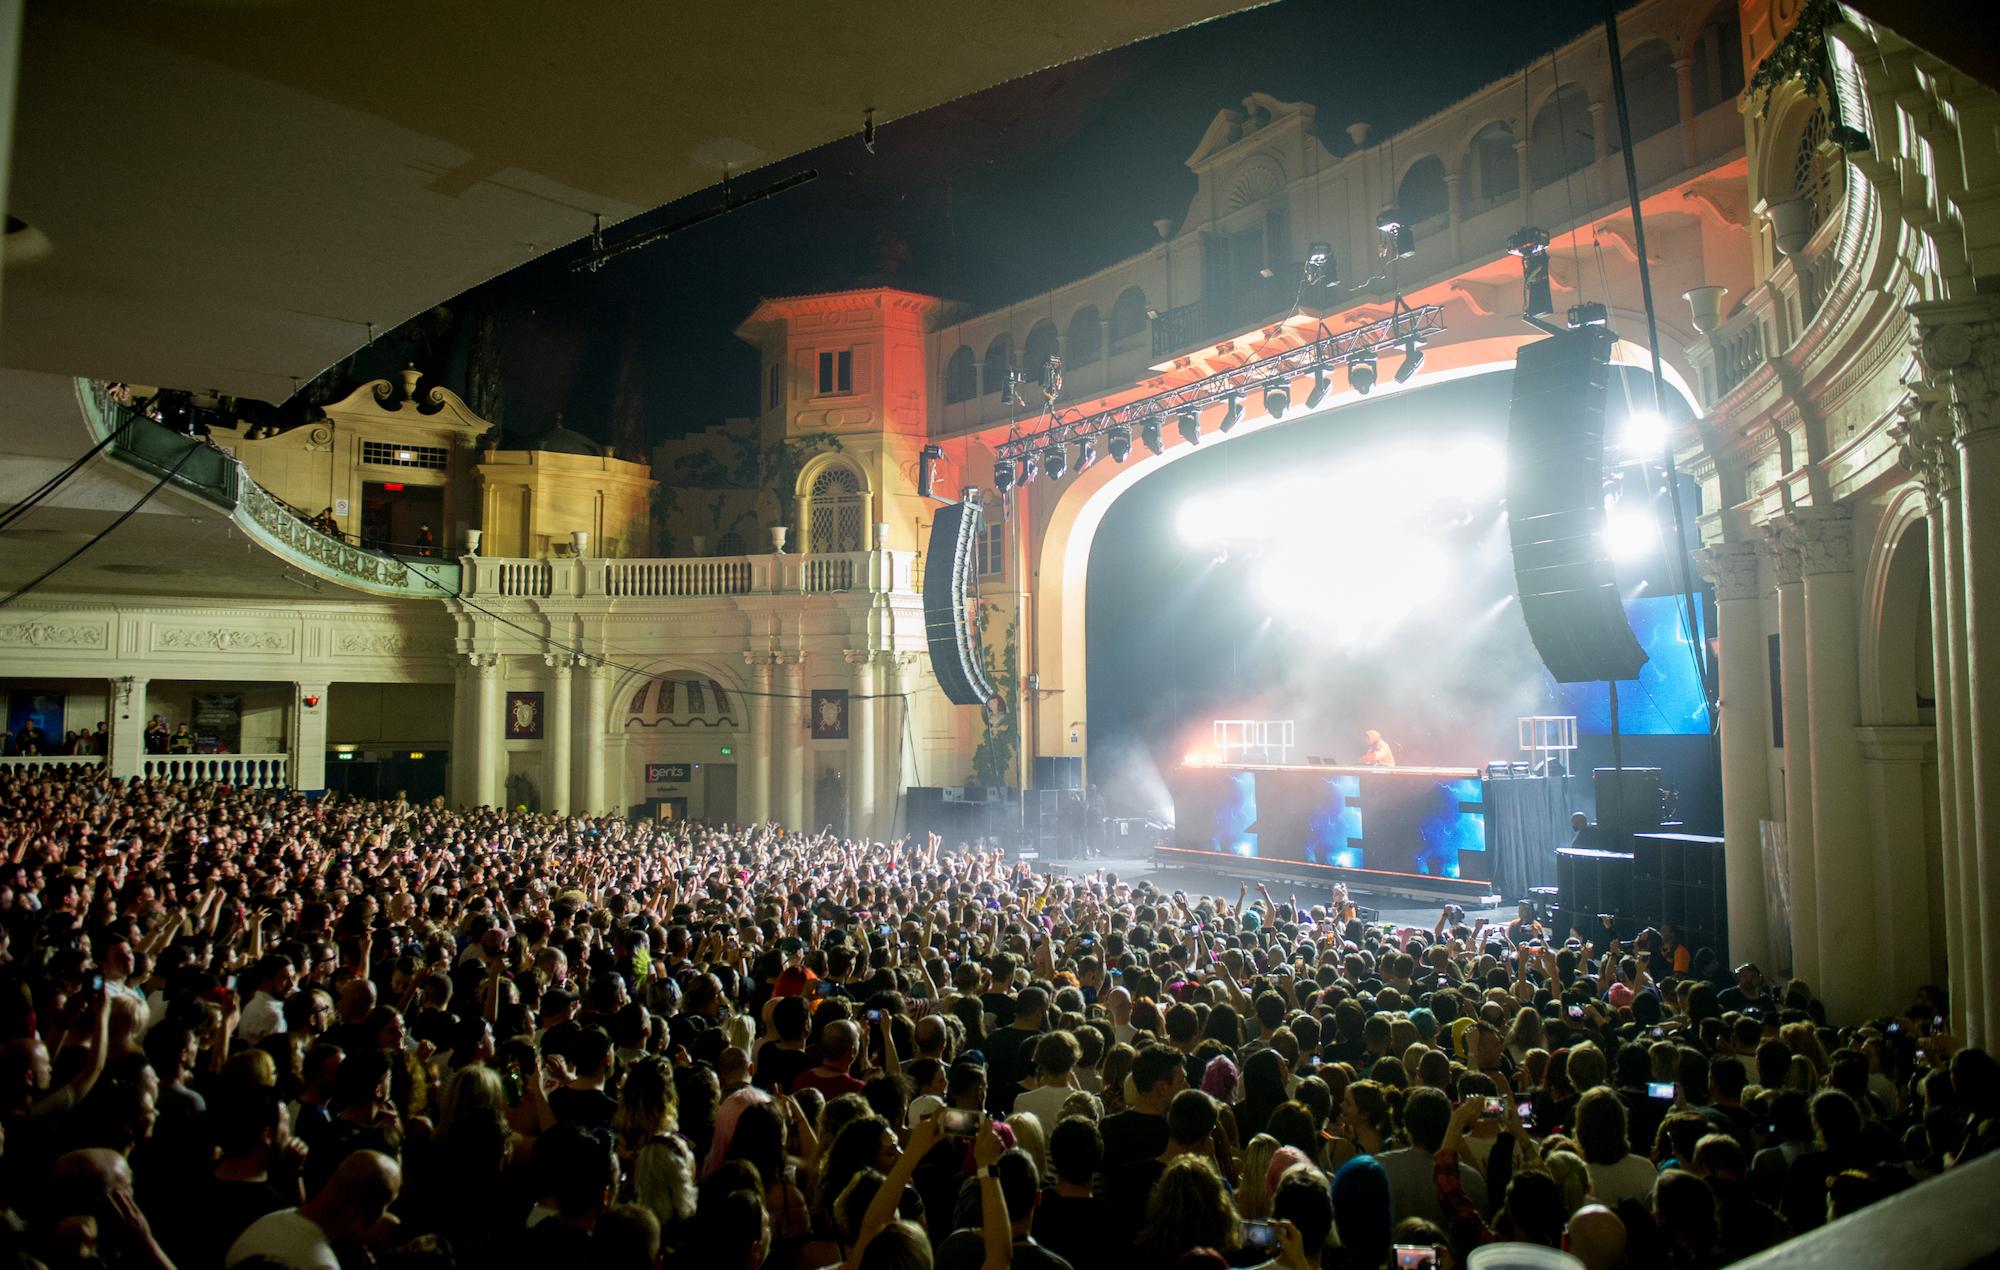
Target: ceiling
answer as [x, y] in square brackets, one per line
[226, 194]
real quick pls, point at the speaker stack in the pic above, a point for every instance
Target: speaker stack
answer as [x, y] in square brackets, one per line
[947, 581]
[1555, 509]
[1679, 878]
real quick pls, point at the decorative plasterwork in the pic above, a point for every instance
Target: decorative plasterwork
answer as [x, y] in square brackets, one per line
[1958, 350]
[1735, 569]
[1727, 201]
[389, 644]
[220, 639]
[1822, 538]
[54, 635]
[1923, 447]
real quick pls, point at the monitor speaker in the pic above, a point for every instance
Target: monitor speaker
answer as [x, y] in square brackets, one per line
[947, 581]
[1555, 509]
[1058, 771]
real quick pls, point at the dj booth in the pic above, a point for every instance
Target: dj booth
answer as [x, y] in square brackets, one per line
[1429, 830]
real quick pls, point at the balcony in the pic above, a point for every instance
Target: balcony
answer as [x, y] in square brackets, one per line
[1191, 326]
[198, 468]
[690, 577]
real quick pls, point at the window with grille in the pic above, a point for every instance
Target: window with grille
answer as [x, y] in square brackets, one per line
[389, 454]
[989, 550]
[835, 512]
[1812, 176]
[836, 372]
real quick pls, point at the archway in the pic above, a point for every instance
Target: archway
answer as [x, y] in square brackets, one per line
[1066, 529]
[674, 732]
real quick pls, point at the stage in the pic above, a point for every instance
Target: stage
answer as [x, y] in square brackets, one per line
[1429, 832]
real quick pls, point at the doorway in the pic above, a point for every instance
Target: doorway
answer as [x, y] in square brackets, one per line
[401, 519]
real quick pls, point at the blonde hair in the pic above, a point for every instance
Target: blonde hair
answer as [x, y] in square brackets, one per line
[1253, 1198]
[1029, 1137]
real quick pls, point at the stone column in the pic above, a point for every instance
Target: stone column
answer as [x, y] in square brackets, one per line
[126, 721]
[1844, 867]
[1960, 357]
[1735, 568]
[488, 670]
[1892, 766]
[1527, 191]
[308, 756]
[1684, 80]
[762, 741]
[899, 722]
[559, 720]
[862, 708]
[1926, 450]
[1801, 876]
[596, 731]
[1454, 199]
[793, 756]
[464, 731]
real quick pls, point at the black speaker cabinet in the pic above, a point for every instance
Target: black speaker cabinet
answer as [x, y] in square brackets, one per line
[1058, 771]
[1589, 881]
[947, 578]
[1555, 509]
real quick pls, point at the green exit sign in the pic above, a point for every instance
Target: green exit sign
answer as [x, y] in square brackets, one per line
[726, 751]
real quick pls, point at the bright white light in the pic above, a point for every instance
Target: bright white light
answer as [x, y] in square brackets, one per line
[1630, 532]
[1472, 471]
[1644, 435]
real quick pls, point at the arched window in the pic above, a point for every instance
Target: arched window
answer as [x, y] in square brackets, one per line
[1561, 140]
[1040, 346]
[1086, 337]
[961, 377]
[1421, 196]
[1814, 178]
[1128, 319]
[836, 511]
[1492, 170]
[1653, 89]
[993, 371]
[1718, 57]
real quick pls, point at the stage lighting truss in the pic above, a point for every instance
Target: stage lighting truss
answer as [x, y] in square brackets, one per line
[1117, 443]
[1393, 334]
[1055, 462]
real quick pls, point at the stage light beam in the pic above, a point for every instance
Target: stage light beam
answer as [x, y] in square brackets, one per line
[1644, 434]
[1630, 533]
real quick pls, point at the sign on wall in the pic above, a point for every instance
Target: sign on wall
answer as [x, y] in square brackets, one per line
[668, 774]
[218, 717]
[340, 506]
[829, 714]
[524, 716]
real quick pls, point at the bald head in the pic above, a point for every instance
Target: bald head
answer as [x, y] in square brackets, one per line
[355, 1197]
[94, 1169]
[357, 998]
[1596, 1237]
[841, 1040]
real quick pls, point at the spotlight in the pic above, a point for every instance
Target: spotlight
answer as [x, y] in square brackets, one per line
[1630, 533]
[1030, 469]
[1320, 270]
[1321, 387]
[1361, 372]
[1118, 443]
[1052, 382]
[1003, 476]
[1149, 432]
[1413, 361]
[1644, 434]
[1232, 411]
[1086, 454]
[1189, 424]
[1532, 246]
[1399, 240]
[1055, 461]
[1010, 392]
[1278, 399]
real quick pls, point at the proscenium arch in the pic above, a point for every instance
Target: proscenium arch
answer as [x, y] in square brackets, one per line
[1066, 530]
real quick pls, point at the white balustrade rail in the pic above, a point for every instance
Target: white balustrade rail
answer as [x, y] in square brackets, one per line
[17, 761]
[245, 771]
[690, 577]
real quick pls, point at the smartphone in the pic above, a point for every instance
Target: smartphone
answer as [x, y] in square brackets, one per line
[1576, 1012]
[1656, 1033]
[1661, 1089]
[97, 983]
[874, 1016]
[960, 1123]
[1416, 1257]
[1525, 1111]
[1261, 1235]
[1492, 1109]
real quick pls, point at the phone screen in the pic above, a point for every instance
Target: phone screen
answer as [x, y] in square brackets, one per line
[1492, 1109]
[1261, 1235]
[1576, 1012]
[1416, 1257]
[1661, 1089]
[1525, 1109]
[960, 1123]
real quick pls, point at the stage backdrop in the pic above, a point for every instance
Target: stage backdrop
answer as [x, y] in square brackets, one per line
[1423, 823]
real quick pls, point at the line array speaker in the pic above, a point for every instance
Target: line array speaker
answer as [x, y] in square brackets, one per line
[947, 580]
[1555, 509]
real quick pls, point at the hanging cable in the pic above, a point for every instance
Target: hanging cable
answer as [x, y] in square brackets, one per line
[124, 516]
[1688, 594]
[55, 482]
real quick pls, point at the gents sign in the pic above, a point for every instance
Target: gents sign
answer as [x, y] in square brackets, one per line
[667, 773]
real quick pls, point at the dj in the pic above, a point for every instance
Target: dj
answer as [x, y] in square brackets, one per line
[1378, 753]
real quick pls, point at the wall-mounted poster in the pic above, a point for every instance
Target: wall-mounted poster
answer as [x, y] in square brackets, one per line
[524, 716]
[218, 719]
[829, 714]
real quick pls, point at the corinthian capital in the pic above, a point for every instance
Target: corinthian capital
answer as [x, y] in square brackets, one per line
[1923, 445]
[1958, 351]
[1820, 538]
[1735, 569]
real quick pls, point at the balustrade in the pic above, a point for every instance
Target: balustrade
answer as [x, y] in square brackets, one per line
[244, 771]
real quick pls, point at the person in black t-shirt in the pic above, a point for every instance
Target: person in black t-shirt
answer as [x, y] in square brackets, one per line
[1008, 1057]
[1071, 1221]
[1140, 1132]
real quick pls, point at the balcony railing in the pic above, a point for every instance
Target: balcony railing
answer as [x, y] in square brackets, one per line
[244, 771]
[218, 478]
[694, 577]
[1190, 325]
[15, 762]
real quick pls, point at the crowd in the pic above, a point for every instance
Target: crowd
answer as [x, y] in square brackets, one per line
[248, 1030]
